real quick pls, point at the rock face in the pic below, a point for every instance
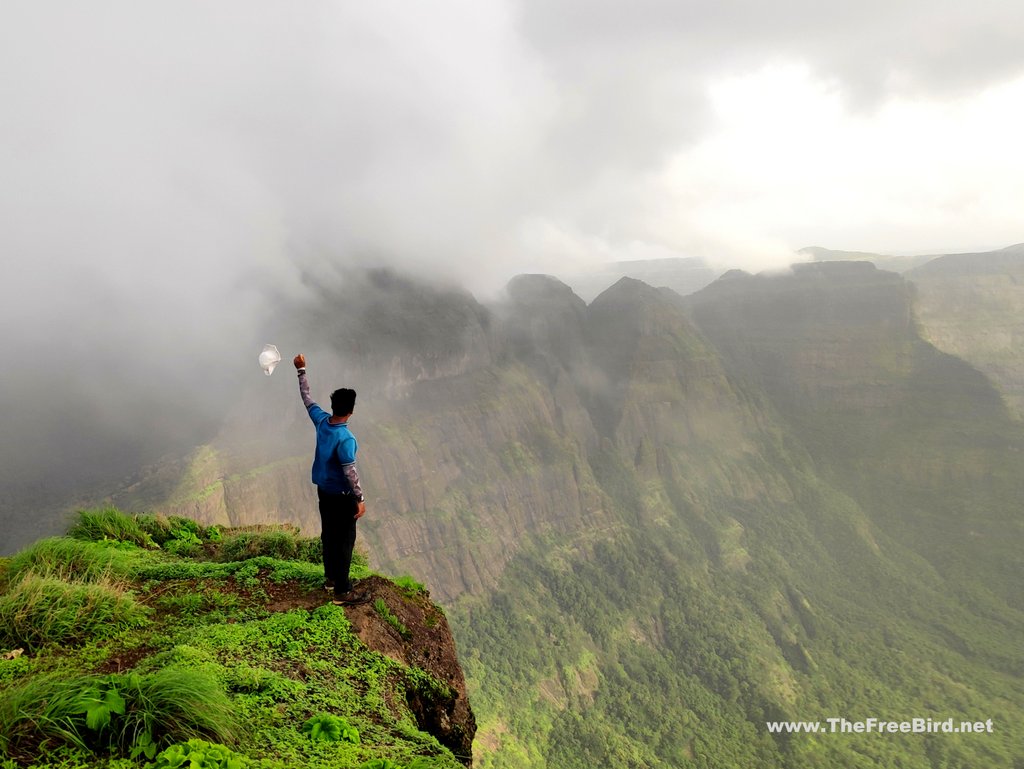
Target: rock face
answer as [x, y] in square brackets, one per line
[972, 306]
[427, 644]
[916, 436]
[826, 335]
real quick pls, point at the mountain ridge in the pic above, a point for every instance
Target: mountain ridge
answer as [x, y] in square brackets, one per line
[720, 505]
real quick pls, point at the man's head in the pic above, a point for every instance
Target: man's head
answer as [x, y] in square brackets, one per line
[343, 402]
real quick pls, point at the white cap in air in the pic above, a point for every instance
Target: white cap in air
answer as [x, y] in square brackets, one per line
[269, 358]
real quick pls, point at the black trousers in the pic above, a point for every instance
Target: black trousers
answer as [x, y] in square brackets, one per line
[338, 535]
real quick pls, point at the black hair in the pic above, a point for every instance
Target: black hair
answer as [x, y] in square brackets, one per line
[343, 401]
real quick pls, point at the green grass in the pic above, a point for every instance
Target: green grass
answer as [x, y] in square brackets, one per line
[388, 616]
[410, 586]
[67, 559]
[43, 610]
[283, 543]
[117, 712]
[110, 524]
[144, 652]
[168, 568]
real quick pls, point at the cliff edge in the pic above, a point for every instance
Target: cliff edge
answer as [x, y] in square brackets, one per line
[144, 638]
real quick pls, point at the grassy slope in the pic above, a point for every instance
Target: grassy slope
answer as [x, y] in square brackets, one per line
[254, 637]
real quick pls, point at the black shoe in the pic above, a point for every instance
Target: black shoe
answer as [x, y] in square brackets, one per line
[351, 598]
[329, 585]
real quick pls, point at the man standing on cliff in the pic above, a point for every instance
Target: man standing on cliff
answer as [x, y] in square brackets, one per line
[337, 485]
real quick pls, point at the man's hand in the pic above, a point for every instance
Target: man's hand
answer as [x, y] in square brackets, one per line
[360, 510]
[300, 361]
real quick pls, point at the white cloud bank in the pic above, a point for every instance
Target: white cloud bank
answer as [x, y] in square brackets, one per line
[160, 162]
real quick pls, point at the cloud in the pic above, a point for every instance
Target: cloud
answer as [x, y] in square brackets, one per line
[168, 170]
[873, 48]
[202, 150]
[786, 162]
[164, 168]
[648, 143]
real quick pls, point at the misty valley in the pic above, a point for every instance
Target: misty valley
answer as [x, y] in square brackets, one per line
[657, 523]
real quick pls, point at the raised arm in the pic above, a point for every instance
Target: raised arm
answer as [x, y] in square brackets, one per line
[300, 365]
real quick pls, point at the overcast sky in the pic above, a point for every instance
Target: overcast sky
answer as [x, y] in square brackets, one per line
[161, 162]
[195, 144]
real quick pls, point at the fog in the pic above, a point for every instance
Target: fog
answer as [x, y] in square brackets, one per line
[166, 171]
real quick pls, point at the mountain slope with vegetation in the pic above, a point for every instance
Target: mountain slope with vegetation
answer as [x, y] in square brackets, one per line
[660, 523]
[146, 641]
[766, 568]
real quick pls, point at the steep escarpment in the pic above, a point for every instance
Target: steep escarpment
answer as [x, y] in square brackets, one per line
[920, 438]
[824, 336]
[760, 575]
[972, 306]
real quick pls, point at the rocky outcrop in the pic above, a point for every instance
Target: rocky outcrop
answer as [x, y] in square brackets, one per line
[408, 627]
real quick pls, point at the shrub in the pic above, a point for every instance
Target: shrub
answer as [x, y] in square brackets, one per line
[111, 524]
[39, 610]
[121, 712]
[163, 529]
[156, 526]
[183, 528]
[180, 536]
[187, 547]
